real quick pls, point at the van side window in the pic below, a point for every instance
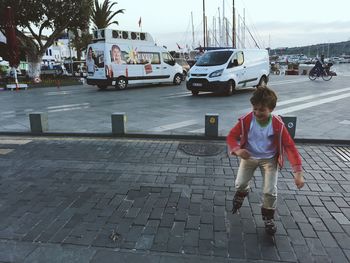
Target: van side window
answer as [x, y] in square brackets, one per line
[167, 58]
[240, 57]
[148, 57]
[237, 59]
[155, 58]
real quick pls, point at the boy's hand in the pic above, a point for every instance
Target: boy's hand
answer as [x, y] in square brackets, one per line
[299, 179]
[243, 153]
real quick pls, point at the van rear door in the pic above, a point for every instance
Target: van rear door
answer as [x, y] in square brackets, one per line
[95, 61]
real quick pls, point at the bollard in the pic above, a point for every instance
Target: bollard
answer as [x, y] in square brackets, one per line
[212, 124]
[118, 123]
[291, 124]
[38, 122]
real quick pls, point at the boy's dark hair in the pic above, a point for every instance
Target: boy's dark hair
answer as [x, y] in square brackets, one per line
[264, 96]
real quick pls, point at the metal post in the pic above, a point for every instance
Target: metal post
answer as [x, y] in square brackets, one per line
[291, 124]
[212, 124]
[38, 122]
[118, 123]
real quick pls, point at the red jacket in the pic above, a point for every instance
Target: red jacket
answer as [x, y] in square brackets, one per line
[282, 140]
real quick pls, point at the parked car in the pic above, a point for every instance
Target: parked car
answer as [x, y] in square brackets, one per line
[55, 70]
[185, 66]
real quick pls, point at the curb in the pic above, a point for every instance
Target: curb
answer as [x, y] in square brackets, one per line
[159, 136]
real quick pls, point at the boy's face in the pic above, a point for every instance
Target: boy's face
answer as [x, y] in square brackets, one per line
[261, 112]
[117, 55]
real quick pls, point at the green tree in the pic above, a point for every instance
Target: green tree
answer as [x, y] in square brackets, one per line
[40, 22]
[102, 15]
[80, 41]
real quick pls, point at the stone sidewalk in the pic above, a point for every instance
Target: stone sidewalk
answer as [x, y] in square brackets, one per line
[157, 200]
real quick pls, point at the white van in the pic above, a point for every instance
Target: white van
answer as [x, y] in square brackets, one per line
[118, 58]
[226, 70]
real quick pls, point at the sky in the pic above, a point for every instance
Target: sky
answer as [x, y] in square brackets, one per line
[272, 23]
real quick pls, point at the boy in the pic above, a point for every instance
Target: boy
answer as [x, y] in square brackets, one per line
[263, 141]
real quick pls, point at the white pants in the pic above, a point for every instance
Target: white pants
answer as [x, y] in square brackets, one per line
[269, 171]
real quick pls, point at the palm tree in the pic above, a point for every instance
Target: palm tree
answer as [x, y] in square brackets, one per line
[102, 15]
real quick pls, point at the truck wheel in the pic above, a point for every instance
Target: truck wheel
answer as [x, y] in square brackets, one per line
[121, 83]
[102, 87]
[230, 88]
[177, 79]
[195, 92]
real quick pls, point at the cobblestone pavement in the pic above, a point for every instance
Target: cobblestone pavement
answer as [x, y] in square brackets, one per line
[153, 200]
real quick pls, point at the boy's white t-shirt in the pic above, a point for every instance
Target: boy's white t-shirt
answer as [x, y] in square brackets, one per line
[260, 140]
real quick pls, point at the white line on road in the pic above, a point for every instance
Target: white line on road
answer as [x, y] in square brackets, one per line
[173, 126]
[188, 93]
[5, 151]
[19, 141]
[68, 106]
[311, 104]
[68, 109]
[8, 112]
[59, 92]
[201, 130]
[312, 96]
[273, 83]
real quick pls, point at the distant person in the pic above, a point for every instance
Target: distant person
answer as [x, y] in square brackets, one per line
[115, 69]
[318, 68]
[90, 62]
[201, 49]
[263, 140]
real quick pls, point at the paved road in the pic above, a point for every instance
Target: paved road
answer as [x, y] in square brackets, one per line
[62, 198]
[321, 108]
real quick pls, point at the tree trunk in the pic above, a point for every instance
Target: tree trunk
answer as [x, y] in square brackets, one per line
[34, 68]
[78, 54]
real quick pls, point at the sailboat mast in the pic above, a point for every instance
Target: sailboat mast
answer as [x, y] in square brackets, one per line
[220, 29]
[233, 25]
[204, 23]
[223, 23]
[243, 29]
[193, 43]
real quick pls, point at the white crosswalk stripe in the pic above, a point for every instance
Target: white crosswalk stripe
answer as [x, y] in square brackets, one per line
[5, 151]
[14, 141]
[311, 104]
[172, 126]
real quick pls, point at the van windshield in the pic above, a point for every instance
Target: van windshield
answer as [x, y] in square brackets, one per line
[214, 58]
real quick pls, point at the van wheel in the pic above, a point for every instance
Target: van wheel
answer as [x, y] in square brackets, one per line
[195, 92]
[177, 79]
[102, 87]
[230, 88]
[263, 81]
[121, 83]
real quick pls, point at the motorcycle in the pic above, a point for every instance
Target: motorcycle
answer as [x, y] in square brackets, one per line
[325, 73]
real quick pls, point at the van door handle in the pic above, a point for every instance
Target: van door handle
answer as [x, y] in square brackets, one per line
[157, 67]
[165, 67]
